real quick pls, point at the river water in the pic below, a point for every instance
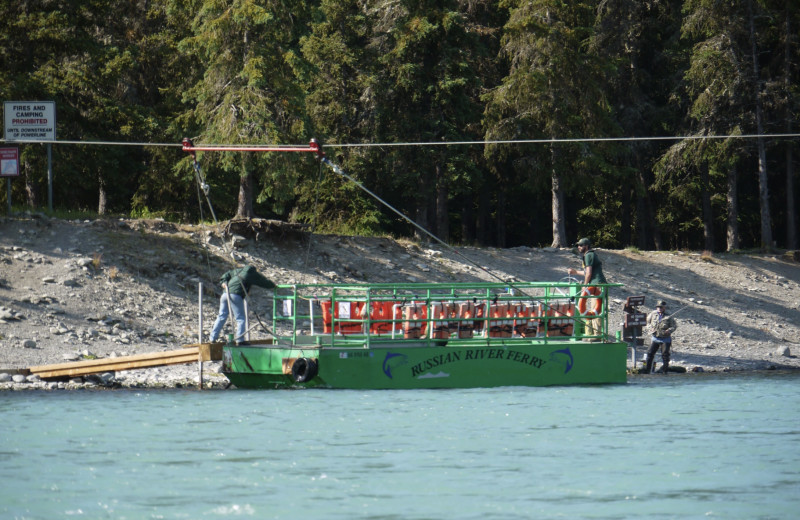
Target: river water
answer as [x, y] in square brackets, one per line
[706, 446]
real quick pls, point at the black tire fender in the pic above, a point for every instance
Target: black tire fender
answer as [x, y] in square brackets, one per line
[304, 369]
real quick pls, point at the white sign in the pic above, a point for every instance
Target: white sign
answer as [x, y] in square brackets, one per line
[30, 120]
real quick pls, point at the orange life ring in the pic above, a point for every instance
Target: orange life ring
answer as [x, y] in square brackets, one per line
[587, 308]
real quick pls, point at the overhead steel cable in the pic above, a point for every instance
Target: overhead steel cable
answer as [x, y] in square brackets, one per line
[305, 148]
[90, 143]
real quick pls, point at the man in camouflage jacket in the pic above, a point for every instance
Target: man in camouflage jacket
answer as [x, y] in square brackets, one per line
[661, 327]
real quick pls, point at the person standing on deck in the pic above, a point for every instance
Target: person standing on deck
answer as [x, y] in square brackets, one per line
[236, 285]
[592, 273]
[662, 327]
[592, 266]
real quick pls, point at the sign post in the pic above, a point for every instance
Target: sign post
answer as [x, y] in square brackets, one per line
[632, 326]
[33, 121]
[9, 167]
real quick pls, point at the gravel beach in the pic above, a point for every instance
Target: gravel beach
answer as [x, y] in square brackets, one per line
[72, 290]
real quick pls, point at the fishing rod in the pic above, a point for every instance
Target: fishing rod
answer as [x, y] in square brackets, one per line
[679, 310]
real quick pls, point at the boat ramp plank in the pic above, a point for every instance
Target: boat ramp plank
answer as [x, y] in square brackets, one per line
[94, 366]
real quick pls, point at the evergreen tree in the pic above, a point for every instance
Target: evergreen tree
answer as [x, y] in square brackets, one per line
[428, 90]
[552, 91]
[638, 42]
[89, 60]
[725, 91]
[341, 105]
[249, 93]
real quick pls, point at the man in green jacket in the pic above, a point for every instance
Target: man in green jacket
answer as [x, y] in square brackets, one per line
[236, 285]
[592, 273]
[592, 266]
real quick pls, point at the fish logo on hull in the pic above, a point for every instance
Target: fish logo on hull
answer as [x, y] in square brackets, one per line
[392, 361]
[563, 356]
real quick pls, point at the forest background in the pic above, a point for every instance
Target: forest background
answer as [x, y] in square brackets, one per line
[467, 77]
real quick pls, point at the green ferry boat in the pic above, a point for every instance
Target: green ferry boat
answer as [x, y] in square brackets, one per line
[426, 335]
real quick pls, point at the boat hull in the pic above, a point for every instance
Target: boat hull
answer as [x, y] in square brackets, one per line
[404, 366]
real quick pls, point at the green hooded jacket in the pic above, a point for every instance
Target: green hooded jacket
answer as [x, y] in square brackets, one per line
[240, 280]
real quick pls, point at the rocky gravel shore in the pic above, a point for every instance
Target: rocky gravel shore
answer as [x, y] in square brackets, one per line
[72, 290]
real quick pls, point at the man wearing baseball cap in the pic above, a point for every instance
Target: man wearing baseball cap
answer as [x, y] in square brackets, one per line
[592, 266]
[662, 327]
[592, 273]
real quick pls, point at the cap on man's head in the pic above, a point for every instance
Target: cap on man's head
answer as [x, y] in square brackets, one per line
[584, 242]
[661, 303]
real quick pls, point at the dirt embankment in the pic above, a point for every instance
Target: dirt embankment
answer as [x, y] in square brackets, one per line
[116, 287]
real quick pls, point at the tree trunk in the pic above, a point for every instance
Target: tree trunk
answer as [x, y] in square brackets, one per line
[708, 218]
[425, 205]
[442, 217]
[467, 221]
[625, 217]
[244, 208]
[733, 209]
[500, 222]
[482, 224]
[559, 219]
[643, 217]
[31, 186]
[791, 213]
[102, 202]
[421, 218]
[647, 227]
[763, 187]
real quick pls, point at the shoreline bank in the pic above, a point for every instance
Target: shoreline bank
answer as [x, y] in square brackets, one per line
[72, 290]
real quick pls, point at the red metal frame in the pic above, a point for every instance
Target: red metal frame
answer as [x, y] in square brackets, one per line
[313, 147]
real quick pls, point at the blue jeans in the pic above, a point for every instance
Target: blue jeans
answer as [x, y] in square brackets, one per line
[237, 302]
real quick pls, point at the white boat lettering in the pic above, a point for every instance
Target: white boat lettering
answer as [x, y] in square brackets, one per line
[439, 375]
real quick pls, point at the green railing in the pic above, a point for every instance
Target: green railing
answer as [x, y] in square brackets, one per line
[371, 314]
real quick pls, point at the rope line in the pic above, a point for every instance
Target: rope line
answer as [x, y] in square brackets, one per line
[306, 148]
[341, 172]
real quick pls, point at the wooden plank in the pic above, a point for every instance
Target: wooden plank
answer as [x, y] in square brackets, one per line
[105, 361]
[94, 366]
[211, 351]
[116, 367]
